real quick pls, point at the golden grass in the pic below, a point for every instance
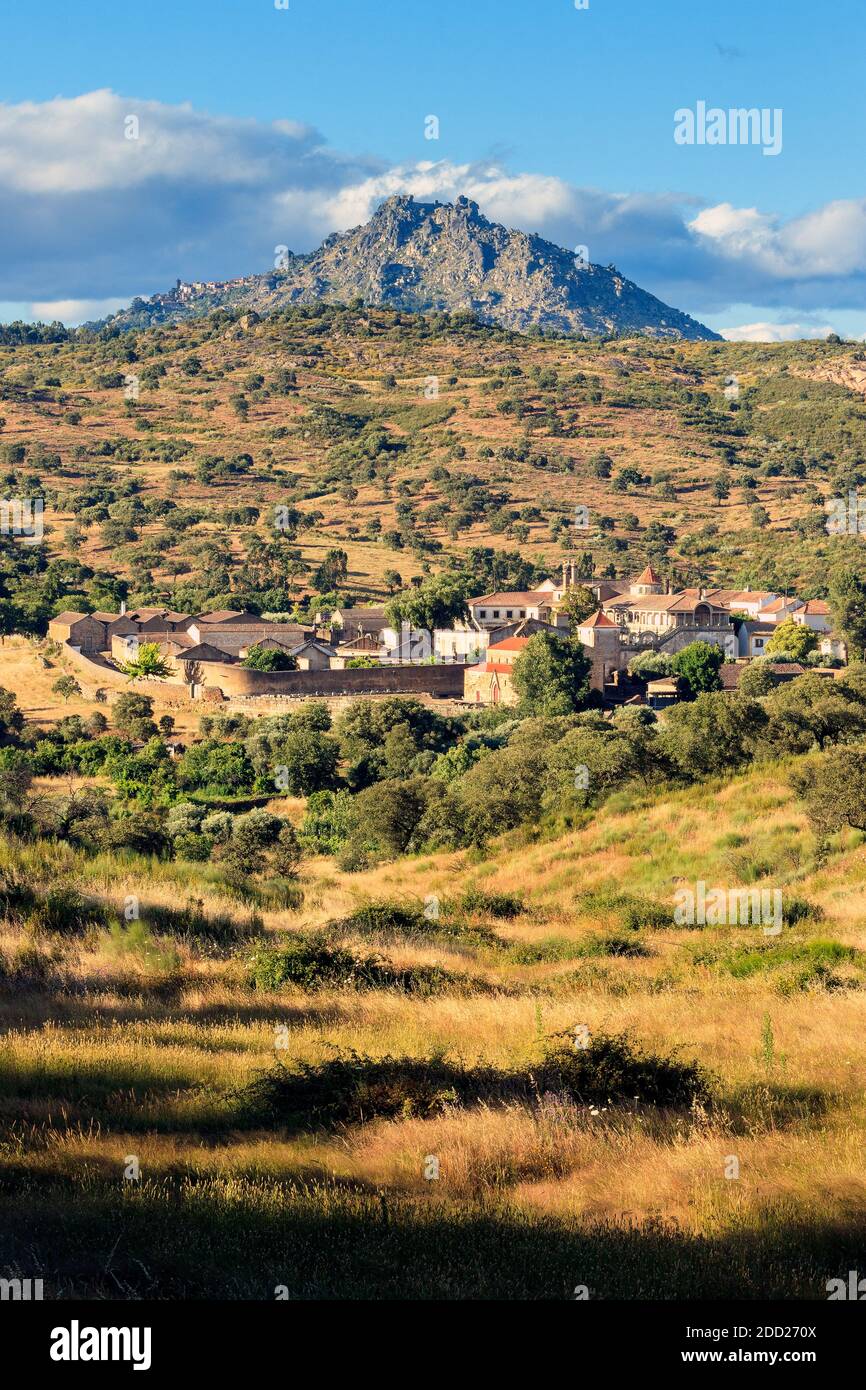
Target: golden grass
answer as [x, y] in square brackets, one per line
[117, 1059]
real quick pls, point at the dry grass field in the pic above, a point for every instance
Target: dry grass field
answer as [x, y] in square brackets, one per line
[157, 1051]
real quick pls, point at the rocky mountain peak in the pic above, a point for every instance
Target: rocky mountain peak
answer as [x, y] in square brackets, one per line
[444, 256]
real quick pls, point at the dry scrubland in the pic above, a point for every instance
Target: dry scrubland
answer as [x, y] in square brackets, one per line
[162, 1050]
[409, 1038]
[554, 406]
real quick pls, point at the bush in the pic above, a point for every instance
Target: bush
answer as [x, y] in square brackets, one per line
[501, 905]
[550, 949]
[311, 962]
[632, 912]
[352, 1089]
[612, 1067]
[613, 944]
[398, 922]
[62, 911]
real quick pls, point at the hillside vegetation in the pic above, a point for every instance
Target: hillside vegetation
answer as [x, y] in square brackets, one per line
[495, 1072]
[335, 453]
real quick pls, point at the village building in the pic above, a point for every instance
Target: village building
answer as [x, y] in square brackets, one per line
[669, 622]
[752, 638]
[665, 691]
[81, 631]
[490, 682]
[349, 623]
[313, 655]
[493, 610]
[600, 638]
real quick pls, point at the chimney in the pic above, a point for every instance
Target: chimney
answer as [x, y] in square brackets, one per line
[122, 607]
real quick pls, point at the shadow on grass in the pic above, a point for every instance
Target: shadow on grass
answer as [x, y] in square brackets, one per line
[240, 1239]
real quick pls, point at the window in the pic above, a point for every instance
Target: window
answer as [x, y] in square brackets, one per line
[496, 612]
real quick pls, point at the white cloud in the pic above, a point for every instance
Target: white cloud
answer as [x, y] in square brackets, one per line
[72, 311]
[774, 332]
[91, 216]
[829, 242]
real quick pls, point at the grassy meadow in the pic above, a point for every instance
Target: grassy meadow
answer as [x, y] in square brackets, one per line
[380, 1092]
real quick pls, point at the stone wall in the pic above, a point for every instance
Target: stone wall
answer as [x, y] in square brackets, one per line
[444, 681]
[238, 681]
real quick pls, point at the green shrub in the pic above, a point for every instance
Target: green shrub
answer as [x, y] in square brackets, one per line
[390, 921]
[310, 961]
[611, 1067]
[351, 1089]
[551, 948]
[631, 911]
[63, 911]
[808, 961]
[501, 905]
[614, 944]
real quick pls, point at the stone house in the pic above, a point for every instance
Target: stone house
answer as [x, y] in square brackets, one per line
[494, 610]
[490, 683]
[82, 631]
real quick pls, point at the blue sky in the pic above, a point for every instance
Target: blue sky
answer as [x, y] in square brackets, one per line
[262, 125]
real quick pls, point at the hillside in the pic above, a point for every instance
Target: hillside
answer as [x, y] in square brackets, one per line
[397, 443]
[443, 257]
[157, 1048]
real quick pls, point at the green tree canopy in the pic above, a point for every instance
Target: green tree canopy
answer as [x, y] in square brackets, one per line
[795, 639]
[269, 659]
[699, 664]
[439, 602]
[148, 663]
[551, 675]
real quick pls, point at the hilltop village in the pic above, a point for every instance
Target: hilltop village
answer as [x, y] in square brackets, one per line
[356, 650]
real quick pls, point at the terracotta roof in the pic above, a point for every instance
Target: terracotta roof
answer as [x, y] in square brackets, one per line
[203, 651]
[685, 603]
[816, 606]
[751, 596]
[367, 642]
[525, 596]
[598, 619]
[730, 673]
[313, 642]
[253, 632]
[360, 609]
[509, 644]
[778, 605]
[647, 576]
[176, 642]
[229, 615]
[69, 617]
